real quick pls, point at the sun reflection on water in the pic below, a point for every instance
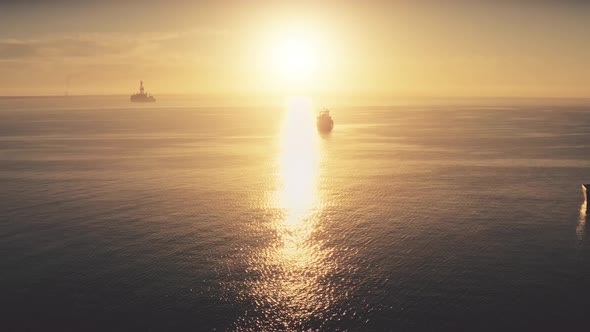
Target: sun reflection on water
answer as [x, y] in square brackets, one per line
[581, 227]
[298, 193]
[291, 287]
[299, 162]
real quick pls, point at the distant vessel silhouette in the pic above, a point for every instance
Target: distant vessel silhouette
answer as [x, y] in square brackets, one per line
[142, 96]
[325, 122]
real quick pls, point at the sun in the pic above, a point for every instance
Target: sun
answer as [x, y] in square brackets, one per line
[296, 58]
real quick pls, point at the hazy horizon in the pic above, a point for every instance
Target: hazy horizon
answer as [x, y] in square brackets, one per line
[379, 48]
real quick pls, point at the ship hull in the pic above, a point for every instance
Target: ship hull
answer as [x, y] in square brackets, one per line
[325, 126]
[142, 99]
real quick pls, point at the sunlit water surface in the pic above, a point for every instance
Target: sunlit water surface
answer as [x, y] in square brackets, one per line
[174, 216]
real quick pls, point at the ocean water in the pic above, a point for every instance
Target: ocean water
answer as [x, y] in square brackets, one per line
[439, 215]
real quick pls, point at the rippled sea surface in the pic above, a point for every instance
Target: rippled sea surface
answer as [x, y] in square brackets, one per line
[175, 216]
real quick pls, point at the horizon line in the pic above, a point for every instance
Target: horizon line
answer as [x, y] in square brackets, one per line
[376, 97]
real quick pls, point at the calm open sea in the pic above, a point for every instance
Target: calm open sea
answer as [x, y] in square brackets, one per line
[173, 216]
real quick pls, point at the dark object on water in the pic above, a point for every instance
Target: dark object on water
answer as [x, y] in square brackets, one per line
[142, 96]
[325, 122]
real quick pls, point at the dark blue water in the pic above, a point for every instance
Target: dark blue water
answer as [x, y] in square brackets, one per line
[175, 216]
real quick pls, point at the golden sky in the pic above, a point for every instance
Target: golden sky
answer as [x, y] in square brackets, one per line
[365, 48]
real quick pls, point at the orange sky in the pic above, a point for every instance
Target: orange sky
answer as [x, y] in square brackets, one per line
[373, 48]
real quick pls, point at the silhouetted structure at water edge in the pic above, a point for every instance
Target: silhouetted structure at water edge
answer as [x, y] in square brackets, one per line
[142, 96]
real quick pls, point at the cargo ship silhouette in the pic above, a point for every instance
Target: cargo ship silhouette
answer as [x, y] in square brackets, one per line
[324, 122]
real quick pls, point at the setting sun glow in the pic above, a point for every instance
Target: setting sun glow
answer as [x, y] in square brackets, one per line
[296, 58]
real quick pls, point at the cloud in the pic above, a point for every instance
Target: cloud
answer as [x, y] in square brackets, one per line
[110, 62]
[101, 47]
[60, 48]
[14, 49]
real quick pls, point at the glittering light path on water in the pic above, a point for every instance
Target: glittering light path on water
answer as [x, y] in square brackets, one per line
[291, 288]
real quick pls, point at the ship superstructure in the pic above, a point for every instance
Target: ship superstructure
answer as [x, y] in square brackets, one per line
[142, 96]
